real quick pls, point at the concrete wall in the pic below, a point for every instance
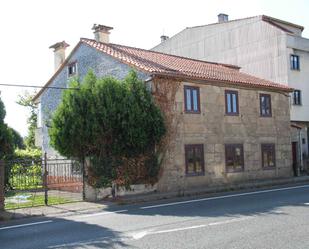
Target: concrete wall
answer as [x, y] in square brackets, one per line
[87, 58]
[214, 129]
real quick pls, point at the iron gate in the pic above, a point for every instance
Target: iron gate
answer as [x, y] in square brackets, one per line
[43, 182]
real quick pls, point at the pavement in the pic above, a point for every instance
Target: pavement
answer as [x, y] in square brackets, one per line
[275, 217]
[83, 207]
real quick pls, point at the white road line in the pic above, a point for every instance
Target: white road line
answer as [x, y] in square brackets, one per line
[26, 225]
[223, 197]
[142, 234]
[99, 214]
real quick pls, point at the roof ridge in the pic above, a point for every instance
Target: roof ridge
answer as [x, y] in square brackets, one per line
[171, 55]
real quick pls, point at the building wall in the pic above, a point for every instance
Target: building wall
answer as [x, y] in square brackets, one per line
[214, 129]
[87, 58]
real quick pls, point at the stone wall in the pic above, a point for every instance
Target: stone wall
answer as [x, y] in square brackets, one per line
[213, 128]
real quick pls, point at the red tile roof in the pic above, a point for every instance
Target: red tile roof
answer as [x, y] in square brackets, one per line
[156, 63]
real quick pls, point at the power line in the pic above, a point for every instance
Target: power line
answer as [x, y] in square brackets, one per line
[31, 86]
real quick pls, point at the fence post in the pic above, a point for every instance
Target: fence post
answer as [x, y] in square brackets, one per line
[45, 179]
[2, 185]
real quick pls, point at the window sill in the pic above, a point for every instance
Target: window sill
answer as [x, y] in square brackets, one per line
[266, 116]
[195, 174]
[269, 168]
[232, 114]
[188, 112]
[235, 171]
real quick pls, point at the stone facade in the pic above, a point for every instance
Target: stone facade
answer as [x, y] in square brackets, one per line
[213, 128]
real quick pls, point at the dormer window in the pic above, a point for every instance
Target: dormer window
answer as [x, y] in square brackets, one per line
[72, 69]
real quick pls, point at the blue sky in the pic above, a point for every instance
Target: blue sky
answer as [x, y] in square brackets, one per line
[29, 27]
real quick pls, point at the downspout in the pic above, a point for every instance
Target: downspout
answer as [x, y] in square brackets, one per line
[300, 153]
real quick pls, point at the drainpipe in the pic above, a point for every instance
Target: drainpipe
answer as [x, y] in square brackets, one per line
[300, 153]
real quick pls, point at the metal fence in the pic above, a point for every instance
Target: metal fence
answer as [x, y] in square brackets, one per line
[42, 182]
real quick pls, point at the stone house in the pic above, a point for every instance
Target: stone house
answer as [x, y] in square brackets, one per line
[224, 126]
[263, 46]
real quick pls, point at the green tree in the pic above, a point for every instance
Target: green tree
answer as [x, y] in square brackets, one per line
[116, 123]
[18, 141]
[26, 100]
[6, 139]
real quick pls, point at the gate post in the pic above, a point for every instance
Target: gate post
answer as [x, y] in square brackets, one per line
[1, 185]
[45, 180]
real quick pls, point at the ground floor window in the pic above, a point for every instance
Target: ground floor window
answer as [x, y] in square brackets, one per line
[268, 155]
[234, 157]
[194, 156]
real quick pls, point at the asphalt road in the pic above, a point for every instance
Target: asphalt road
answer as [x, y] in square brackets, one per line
[272, 218]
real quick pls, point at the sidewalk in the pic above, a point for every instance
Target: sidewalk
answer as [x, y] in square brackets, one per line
[91, 207]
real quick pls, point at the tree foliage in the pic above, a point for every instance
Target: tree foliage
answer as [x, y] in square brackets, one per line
[26, 100]
[116, 123]
[6, 138]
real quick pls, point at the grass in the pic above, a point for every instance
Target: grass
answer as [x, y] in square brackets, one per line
[30, 200]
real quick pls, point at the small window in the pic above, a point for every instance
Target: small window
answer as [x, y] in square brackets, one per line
[268, 155]
[72, 69]
[304, 140]
[234, 157]
[297, 97]
[265, 105]
[231, 102]
[192, 99]
[294, 60]
[194, 156]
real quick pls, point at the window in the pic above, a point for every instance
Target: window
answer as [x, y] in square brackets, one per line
[304, 140]
[194, 156]
[268, 155]
[192, 99]
[231, 102]
[297, 97]
[294, 60]
[234, 157]
[72, 69]
[265, 105]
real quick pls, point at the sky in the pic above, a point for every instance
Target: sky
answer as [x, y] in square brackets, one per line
[29, 27]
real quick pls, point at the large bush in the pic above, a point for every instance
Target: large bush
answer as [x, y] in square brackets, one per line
[116, 123]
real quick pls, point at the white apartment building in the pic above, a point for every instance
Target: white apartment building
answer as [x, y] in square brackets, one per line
[263, 46]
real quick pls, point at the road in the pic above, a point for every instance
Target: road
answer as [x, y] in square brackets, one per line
[271, 218]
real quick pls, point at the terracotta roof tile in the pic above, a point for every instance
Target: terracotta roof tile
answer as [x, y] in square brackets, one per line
[164, 64]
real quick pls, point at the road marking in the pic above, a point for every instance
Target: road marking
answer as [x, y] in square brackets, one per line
[26, 225]
[223, 197]
[99, 214]
[142, 234]
[307, 203]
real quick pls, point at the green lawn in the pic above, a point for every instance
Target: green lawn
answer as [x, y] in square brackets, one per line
[28, 199]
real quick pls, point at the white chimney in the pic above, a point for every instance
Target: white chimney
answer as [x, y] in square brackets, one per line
[164, 38]
[59, 53]
[223, 18]
[101, 33]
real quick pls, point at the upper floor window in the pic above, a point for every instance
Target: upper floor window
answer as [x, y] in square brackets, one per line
[72, 69]
[234, 157]
[265, 105]
[194, 155]
[192, 99]
[294, 61]
[297, 97]
[231, 102]
[268, 155]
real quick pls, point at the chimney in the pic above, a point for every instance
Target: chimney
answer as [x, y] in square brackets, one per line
[59, 53]
[101, 33]
[223, 18]
[164, 38]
